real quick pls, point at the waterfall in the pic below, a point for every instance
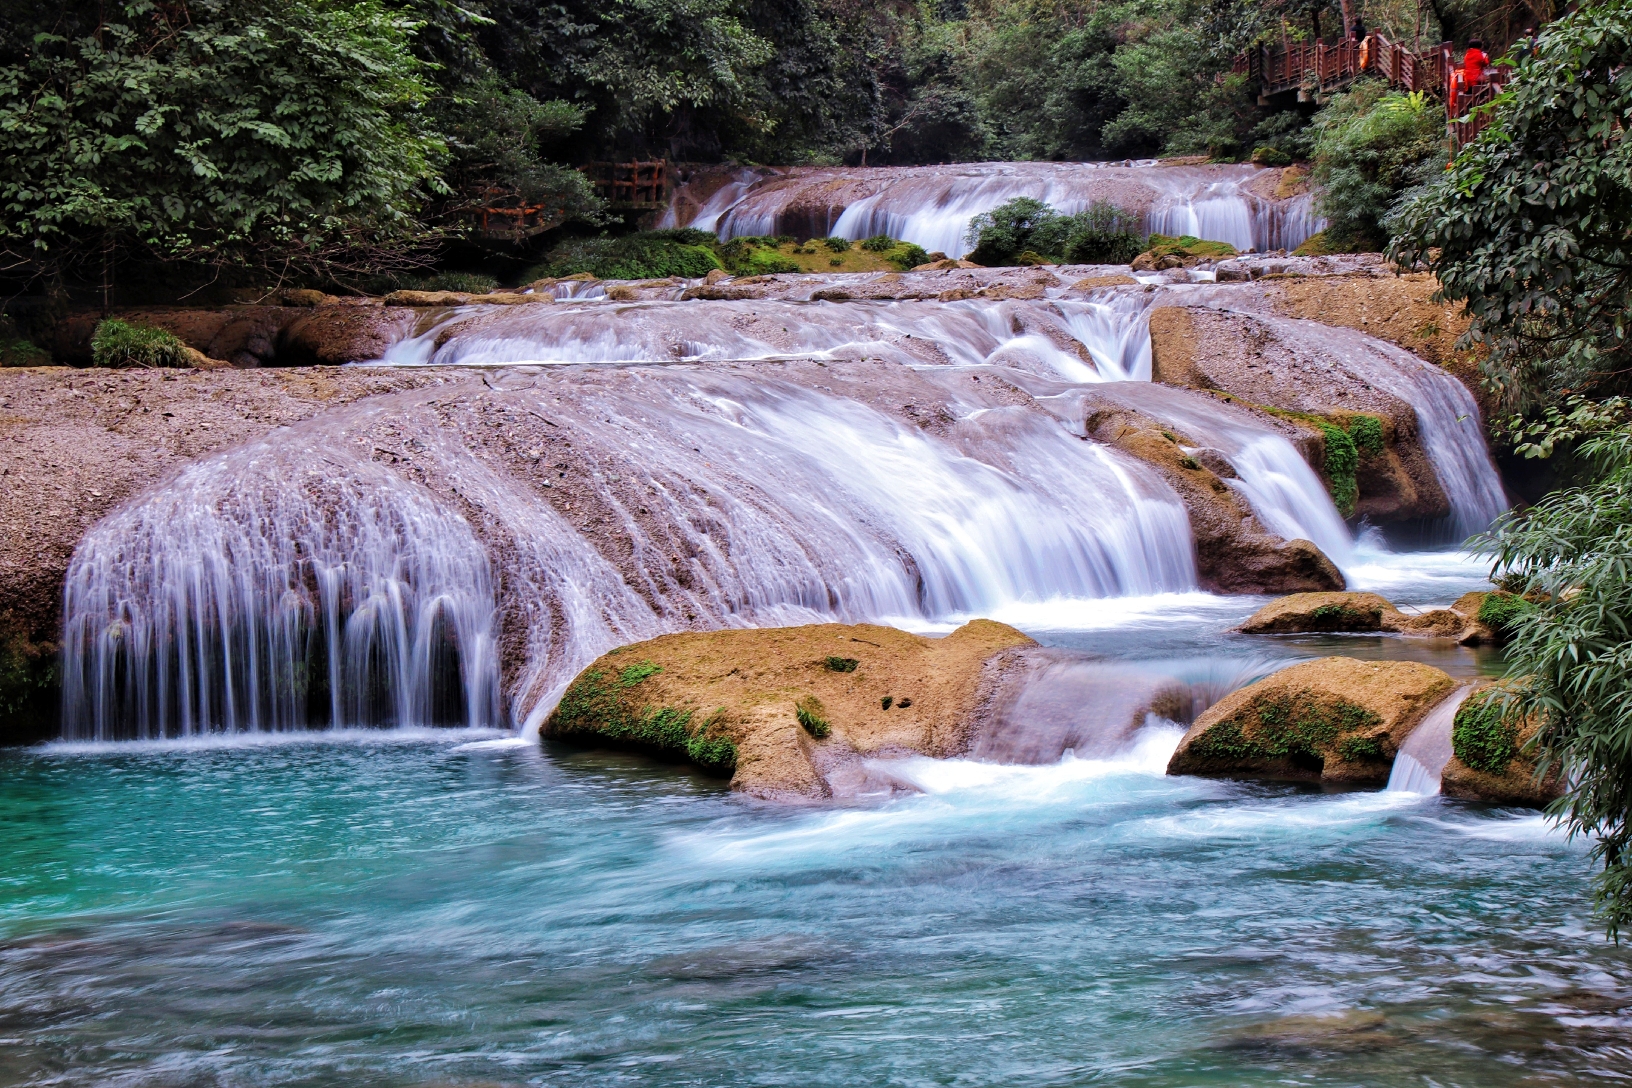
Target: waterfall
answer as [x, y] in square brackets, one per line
[1447, 417]
[266, 590]
[1285, 493]
[1422, 758]
[933, 205]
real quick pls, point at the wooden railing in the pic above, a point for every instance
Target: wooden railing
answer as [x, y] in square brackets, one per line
[1320, 68]
[639, 183]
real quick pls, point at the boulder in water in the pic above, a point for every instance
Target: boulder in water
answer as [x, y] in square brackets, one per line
[1491, 758]
[1332, 720]
[789, 712]
[1352, 613]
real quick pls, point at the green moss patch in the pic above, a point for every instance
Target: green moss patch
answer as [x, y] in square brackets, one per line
[1342, 617]
[1160, 245]
[1501, 612]
[840, 664]
[1299, 730]
[605, 705]
[1481, 735]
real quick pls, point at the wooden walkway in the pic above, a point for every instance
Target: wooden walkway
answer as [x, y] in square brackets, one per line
[1318, 69]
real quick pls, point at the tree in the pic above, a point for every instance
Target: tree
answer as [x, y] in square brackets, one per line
[276, 134]
[1531, 227]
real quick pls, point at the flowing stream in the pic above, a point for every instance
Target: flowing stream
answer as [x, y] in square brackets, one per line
[262, 857]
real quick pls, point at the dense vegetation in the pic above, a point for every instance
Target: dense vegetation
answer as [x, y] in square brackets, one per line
[1531, 228]
[1027, 231]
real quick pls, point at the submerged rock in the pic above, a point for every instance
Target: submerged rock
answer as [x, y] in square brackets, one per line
[1355, 613]
[1332, 720]
[789, 712]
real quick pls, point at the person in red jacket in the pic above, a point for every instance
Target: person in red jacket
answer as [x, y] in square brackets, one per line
[1474, 63]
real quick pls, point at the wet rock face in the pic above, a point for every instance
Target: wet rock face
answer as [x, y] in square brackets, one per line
[1258, 360]
[321, 330]
[1332, 720]
[332, 335]
[1234, 552]
[790, 713]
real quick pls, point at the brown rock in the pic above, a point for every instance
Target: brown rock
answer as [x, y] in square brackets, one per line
[427, 298]
[1349, 612]
[332, 335]
[729, 700]
[1335, 720]
[943, 265]
[1092, 283]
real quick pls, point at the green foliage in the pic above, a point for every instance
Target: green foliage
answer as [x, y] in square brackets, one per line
[879, 243]
[1341, 617]
[1483, 737]
[1160, 245]
[1367, 434]
[1010, 232]
[1269, 156]
[1359, 749]
[837, 245]
[812, 716]
[840, 664]
[1531, 228]
[1372, 145]
[473, 283]
[117, 344]
[642, 256]
[1342, 464]
[908, 255]
[1570, 657]
[17, 351]
[273, 134]
[606, 707]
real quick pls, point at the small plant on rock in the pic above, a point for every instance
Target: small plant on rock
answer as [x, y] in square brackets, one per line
[813, 716]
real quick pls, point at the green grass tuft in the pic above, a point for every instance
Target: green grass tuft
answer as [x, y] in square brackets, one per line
[117, 344]
[840, 664]
[813, 716]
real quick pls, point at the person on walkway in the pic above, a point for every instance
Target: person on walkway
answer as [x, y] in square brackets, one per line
[1357, 29]
[1475, 64]
[1525, 46]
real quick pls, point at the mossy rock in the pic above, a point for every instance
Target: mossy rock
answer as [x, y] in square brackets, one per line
[785, 711]
[1492, 754]
[1308, 612]
[1333, 720]
[1184, 252]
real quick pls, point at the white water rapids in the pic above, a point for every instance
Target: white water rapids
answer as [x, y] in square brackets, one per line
[933, 205]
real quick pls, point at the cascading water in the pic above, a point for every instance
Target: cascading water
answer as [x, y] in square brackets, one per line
[933, 205]
[1447, 418]
[266, 591]
[1422, 758]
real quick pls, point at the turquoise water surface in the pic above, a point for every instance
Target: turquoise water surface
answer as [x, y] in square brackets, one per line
[467, 909]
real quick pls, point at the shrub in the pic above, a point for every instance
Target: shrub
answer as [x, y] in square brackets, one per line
[840, 664]
[1482, 736]
[116, 343]
[643, 256]
[474, 283]
[907, 255]
[879, 243]
[837, 245]
[1028, 231]
[1373, 145]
